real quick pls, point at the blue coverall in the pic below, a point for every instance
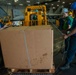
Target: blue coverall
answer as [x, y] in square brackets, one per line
[68, 21]
[72, 48]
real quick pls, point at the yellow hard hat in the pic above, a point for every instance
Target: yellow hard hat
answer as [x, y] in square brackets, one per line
[70, 13]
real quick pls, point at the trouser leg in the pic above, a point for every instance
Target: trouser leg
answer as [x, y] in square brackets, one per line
[72, 50]
[67, 44]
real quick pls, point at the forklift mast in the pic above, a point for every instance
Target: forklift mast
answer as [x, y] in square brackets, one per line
[35, 15]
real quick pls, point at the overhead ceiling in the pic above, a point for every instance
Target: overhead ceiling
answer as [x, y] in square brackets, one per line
[24, 2]
[51, 3]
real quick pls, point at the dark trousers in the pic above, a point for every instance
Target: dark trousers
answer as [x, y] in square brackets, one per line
[67, 44]
[72, 50]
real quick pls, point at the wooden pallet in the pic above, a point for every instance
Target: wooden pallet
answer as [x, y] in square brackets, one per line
[32, 70]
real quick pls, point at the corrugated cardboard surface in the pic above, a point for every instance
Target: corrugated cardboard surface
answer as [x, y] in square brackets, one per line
[28, 47]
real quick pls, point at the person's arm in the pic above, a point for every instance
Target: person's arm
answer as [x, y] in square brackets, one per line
[69, 26]
[73, 32]
[5, 26]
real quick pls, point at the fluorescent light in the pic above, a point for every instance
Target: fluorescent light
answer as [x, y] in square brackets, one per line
[28, 1]
[57, 5]
[21, 4]
[9, 3]
[70, 3]
[58, 0]
[63, 2]
[15, 0]
[52, 4]
[54, 7]
[46, 3]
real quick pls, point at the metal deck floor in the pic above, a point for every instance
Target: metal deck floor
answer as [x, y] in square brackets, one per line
[71, 71]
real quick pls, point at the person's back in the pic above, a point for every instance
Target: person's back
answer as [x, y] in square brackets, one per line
[72, 47]
[61, 23]
[68, 23]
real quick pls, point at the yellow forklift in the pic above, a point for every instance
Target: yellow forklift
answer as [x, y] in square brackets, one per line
[35, 15]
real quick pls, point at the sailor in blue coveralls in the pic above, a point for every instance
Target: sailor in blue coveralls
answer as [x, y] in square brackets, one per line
[72, 48]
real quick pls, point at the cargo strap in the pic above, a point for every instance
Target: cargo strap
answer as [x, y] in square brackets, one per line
[26, 47]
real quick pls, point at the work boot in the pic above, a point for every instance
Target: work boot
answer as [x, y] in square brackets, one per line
[65, 67]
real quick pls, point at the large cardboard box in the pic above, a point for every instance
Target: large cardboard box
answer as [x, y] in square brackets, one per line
[28, 47]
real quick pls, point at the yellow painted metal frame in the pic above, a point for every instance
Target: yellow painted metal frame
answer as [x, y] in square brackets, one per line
[41, 15]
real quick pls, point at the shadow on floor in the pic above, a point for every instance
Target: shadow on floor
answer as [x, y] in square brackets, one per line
[58, 61]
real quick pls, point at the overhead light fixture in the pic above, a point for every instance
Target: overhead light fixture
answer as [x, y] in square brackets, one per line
[9, 3]
[15, 0]
[52, 4]
[28, 1]
[57, 5]
[21, 4]
[58, 0]
[46, 3]
[70, 3]
[54, 7]
[63, 2]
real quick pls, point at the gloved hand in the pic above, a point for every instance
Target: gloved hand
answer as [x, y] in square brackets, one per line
[65, 36]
